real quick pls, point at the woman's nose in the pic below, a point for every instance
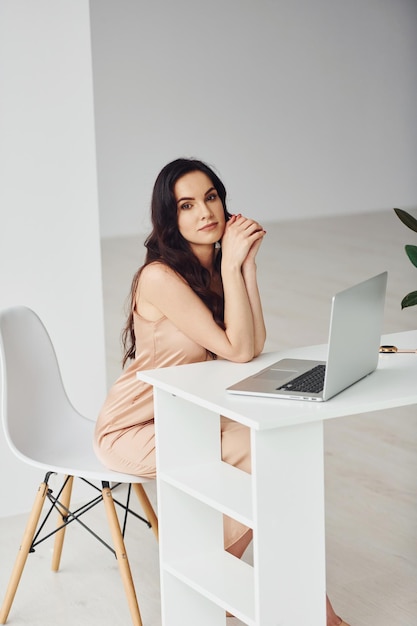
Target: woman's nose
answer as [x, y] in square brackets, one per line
[205, 210]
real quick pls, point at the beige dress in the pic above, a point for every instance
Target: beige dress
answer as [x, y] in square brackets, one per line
[125, 436]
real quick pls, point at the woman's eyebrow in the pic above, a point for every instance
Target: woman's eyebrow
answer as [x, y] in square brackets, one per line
[184, 198]
[190, 198]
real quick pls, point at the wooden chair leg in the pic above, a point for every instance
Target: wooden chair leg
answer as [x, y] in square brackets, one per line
[65, 499]
[23, 551]
[121, 555]
[147, 507]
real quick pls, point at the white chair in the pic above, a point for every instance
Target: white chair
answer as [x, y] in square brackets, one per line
[43, 429]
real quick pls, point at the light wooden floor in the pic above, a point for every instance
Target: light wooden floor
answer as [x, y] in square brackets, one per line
[371, 461]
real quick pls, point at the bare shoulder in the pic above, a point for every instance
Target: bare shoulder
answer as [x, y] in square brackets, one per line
[158, 274]
[161, 291]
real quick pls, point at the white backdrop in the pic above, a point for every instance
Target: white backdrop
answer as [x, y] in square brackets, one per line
[305, 108]
[49, 231]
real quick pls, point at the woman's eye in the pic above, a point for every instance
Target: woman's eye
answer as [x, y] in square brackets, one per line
[186, 205]
[212, 197]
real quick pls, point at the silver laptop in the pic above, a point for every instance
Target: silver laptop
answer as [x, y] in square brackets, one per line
[353, 348]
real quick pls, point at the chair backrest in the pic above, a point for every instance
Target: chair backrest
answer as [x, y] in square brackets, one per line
[32, 393]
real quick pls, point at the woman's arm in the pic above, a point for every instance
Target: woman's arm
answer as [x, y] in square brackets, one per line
[249, 270]
[251, 283]
[168, 293]
[165, 293]
[240, 244]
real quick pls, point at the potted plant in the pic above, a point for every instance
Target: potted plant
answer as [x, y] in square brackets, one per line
[411, 222]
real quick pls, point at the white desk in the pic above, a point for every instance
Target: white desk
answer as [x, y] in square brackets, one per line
[282, 500]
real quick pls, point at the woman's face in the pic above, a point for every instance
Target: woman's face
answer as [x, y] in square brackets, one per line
[200, 212]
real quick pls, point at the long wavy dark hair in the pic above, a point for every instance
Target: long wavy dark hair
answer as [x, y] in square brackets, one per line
[166, 244]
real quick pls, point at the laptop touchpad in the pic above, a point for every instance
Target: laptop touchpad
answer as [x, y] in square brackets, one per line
[276, 375]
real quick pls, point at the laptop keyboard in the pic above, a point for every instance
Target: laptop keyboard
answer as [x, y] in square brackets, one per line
[310, 382]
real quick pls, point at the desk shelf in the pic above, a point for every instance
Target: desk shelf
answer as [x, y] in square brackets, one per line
[218, 485]
[219, 578]
[195, 490]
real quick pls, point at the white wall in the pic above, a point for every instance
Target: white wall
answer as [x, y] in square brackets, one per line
[305, 108]
[49, 233]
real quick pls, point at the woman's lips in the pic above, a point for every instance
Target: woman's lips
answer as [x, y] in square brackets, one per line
[210, 226]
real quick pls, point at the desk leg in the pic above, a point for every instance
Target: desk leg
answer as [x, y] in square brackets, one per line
[289, 537]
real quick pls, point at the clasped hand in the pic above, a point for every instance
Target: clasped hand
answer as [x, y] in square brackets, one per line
[241, 240]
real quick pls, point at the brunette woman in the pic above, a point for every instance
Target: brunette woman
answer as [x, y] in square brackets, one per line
[195, 298]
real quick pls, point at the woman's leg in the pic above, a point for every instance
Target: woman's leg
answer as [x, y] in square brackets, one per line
[332, 618]
[131, 451]
[236, 451]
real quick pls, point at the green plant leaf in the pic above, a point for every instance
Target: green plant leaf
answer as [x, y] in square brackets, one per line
[409, 300]
[412, 254]
[407, 219]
